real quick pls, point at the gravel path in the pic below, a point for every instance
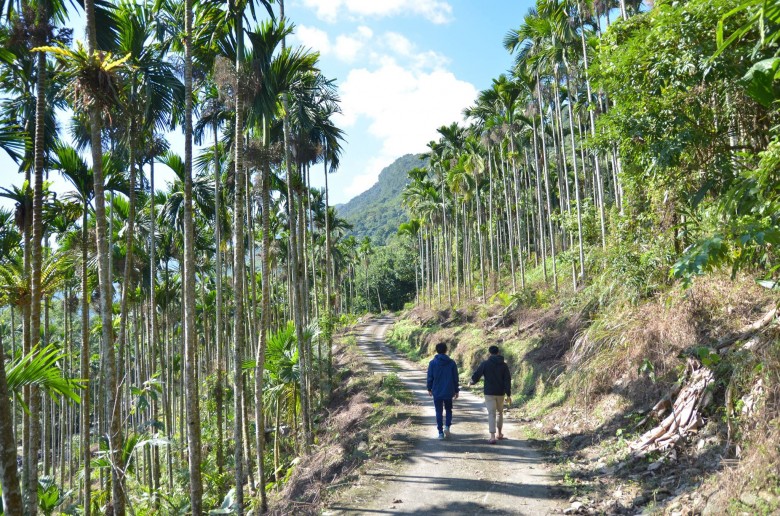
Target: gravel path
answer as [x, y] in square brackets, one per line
[461, 475]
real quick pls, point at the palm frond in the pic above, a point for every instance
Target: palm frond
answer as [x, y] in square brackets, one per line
[39, 368]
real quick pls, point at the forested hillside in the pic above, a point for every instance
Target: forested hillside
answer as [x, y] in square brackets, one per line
[377, 212]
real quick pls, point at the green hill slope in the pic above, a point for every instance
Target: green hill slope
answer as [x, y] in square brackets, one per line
[377, 212]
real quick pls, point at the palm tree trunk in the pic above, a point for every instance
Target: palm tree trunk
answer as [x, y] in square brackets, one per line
[490, 217]
[518, 224]
[539, 202]
[480, 238]
[599, 185]
[264, 324]
[576, 183]
[126, 284]
[328, 276]
[296, 278]
[190, 329]
[238, 278]
[106, 289]
[31, 486]
[294, 258]
[85, 372]
[153, 343]
[547, 183]
[218, 317]
[12, 495]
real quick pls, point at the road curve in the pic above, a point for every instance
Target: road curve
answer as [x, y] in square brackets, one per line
[462, 475]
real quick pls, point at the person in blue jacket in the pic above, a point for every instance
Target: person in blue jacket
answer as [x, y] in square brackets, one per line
[443, 387]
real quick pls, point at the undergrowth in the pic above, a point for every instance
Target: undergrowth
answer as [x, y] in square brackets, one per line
[366, 420]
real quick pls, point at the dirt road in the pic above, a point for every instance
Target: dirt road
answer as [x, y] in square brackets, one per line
[461, 475]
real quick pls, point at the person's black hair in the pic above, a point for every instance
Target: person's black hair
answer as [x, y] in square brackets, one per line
[493, 350]
[441, 348]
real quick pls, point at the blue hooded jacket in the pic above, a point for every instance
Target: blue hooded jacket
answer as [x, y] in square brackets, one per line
[443, 377]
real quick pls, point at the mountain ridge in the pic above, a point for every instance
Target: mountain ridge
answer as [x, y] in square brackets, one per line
[377, 212]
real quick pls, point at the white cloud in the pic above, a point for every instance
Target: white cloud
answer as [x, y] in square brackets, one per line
[314, 38]
[402, 47]
[347, 47]
[403, 108]
[436, 11]
[365, 32]
[362, 43]
[399, 43]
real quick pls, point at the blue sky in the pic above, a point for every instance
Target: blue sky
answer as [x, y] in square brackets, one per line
[403, 68]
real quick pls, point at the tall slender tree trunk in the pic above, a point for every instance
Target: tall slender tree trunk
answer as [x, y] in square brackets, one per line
[547, 184]
[576, 182]
[84, 430]
[296, 268]
[238, 277]
[190, 329]
[264, 322]
[153, 342]
[37, 261]
[127, 283]
[12, 495]
[599, 184]
[328, 276]
[219, 398]
[539, 202]
[106, 288]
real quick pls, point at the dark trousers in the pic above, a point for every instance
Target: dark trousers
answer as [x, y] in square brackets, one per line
[442, 404]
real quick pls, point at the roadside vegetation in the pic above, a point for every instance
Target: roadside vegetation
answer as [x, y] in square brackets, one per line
[609, 218]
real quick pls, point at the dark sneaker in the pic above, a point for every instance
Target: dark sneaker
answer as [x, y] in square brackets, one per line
[441, 435]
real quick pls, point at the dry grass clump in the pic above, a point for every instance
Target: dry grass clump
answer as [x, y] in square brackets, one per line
[422, 315]
[333, 458]
[636, 350]
[753, 484]
[361, 402]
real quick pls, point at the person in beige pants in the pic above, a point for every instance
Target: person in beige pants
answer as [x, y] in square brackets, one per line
[497, 386]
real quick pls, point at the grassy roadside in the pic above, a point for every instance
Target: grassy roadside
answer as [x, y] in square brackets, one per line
[588, 375]
[366, 427]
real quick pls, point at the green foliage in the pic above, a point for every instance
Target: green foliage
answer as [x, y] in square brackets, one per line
[747, 220]
[699, 258]
[40, 368]
[762, 81]
[625, 273]
[763, 15]
[150, 390]
[49, 495]
[395, 389]
[647, 368]
[670, 97]
[708, 357]
[391, 278]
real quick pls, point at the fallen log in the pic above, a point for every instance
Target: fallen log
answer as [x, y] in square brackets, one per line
[684, 417]
[748, 330]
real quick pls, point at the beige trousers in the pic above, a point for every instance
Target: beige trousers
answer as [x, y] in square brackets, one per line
[495, 409]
